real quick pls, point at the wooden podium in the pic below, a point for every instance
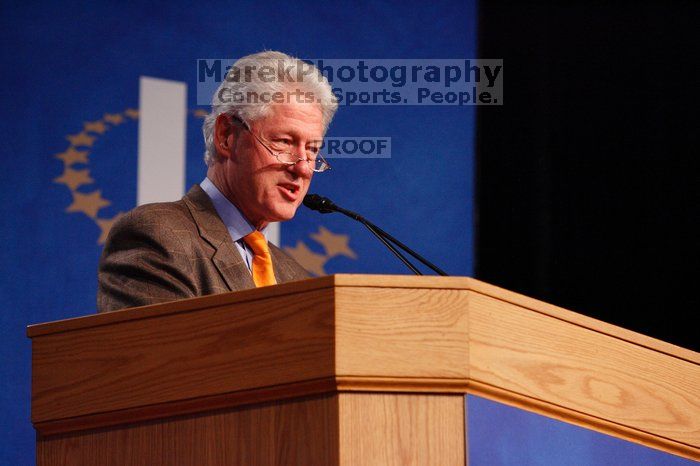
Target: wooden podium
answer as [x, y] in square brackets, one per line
[344, 369]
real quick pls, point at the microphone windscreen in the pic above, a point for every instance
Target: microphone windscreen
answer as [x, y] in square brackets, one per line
[319, 203]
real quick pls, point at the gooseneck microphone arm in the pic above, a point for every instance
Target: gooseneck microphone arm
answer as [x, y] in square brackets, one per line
[391, 247]
[325, 206]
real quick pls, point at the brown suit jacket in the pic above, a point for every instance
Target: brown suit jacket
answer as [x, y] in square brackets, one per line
[175, 250]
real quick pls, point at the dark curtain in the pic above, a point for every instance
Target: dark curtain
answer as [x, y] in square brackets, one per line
[587, 176]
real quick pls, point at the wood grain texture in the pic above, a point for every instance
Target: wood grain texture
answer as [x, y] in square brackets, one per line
[182, 356]
[383, 332]
[401, 430]
[398, 282]
[181, 306]
[584, 420]
[581, 320]
[340, 334]
[300, 432]
[189, 406]
[573, 367]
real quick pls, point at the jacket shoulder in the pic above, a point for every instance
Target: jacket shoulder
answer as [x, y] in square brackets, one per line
[147, 258]
[150, 219]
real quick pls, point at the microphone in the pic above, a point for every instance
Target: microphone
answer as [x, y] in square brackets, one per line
[319, 203]
[325, 206]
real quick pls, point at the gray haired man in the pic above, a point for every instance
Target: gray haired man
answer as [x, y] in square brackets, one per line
[262, 137]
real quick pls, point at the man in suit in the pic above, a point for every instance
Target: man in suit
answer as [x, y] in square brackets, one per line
[262, 142]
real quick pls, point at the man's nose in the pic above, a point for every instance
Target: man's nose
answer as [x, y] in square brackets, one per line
[302, 168]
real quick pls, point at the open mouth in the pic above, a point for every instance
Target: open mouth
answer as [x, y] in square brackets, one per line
[290, 189]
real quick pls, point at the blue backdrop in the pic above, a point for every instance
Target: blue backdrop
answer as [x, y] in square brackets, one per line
[70, 87]
[67, 64]
[500, 435]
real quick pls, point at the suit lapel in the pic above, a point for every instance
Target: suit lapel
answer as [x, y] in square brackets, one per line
[227, 259]
[280, 264]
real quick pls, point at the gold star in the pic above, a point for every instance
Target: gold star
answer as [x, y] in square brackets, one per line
[199, 113]
[131, 113]
[89, 204]
[307, 258]
[94, 126]
[74, 178]
[72, 156]
[333, 244]
[105, 225]
[81, 139]
[114, 118]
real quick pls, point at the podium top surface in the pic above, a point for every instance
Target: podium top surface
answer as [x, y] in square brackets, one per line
[364, 281]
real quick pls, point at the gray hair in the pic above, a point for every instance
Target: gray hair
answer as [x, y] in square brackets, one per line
[265, 74]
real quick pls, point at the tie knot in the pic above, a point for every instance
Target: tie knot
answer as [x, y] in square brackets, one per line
[257, 242]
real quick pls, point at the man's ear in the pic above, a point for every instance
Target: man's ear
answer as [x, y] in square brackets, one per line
[225, 133]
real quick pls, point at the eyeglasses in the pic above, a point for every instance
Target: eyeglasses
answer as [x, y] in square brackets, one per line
[314, 159]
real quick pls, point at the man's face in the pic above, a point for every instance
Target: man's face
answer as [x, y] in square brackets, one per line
[262, 188]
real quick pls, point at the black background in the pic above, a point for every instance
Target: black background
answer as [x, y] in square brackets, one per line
[587, 180]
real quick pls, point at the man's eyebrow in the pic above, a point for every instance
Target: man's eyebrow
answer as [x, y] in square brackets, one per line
[292, 134]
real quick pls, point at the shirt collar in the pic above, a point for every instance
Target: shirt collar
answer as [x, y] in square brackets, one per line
[236, 224]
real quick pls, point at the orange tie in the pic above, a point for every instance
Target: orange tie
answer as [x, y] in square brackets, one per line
[263, 275]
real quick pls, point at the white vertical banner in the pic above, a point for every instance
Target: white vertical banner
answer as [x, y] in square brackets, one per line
[162, 144]
[162, 136]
